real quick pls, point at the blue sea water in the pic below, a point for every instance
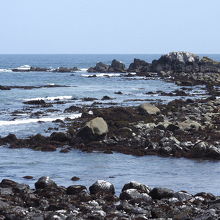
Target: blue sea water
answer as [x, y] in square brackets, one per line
[174, 173]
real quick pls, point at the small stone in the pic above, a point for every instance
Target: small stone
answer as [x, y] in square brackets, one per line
[75, 178]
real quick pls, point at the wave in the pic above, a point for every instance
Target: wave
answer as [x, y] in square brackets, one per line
[35, 120]
[5, 70]
[102, 75]
[83, 69]
[50, 98]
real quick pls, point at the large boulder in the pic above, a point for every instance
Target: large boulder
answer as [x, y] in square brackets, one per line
[94, 129]
[149, 109]
[134, 194]
[45, 182]
[136, 185]
[102, 187]
[161, 193]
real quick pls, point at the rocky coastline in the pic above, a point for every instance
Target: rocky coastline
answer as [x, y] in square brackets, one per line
[188, 128]
[77, 202]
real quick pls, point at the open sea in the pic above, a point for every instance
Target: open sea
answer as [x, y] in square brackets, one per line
[24, 120]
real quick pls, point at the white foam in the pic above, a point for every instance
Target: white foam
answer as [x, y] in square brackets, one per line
[49, 98]
[5, 70]
[35, 120]
[102, 75]
[84, 69]
[23, 68]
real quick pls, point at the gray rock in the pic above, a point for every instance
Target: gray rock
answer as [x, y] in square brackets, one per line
[149, 109]
[182, 196]
[134, 194]
[138, 186]
[182, 57]
[102, 187]
[95, 128]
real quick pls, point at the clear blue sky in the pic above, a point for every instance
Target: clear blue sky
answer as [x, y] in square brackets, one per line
[109, 26]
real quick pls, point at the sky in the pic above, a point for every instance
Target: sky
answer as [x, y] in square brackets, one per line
[109, 26]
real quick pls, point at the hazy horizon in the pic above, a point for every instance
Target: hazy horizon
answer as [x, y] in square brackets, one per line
[109, 27]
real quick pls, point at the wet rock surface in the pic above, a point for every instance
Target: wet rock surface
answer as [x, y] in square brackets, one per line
[181, 128]
[50, 201]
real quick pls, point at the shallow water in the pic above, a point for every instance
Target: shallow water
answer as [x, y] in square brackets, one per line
[178, 174]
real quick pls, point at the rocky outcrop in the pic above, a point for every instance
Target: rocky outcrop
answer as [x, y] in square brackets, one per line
[52, 202]
[99, 68]
[176, 62]
[27, 68]
[185, 68]
[115, 67]
[139, 66]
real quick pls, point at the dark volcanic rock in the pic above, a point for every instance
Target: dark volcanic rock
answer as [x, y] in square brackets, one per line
[59, 136]
[161, 193]
[75, 189]
[35, 102]
[44, 182]
[99, 68]
[117, 66]
[4, 87]
[139, 66]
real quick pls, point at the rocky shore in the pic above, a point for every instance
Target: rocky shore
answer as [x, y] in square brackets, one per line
[99, 202]
[187, 128]
[181, 128]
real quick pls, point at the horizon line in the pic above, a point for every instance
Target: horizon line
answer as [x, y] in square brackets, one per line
[97, 53]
